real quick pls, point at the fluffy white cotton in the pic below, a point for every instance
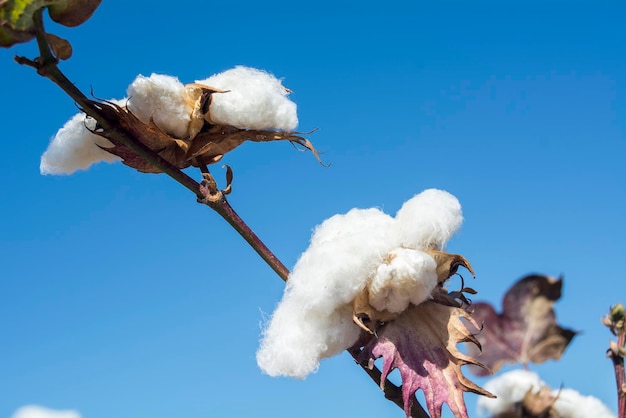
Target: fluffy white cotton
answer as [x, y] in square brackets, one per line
[162, 98]
[346, 254]
[33, 411]
[429, 219]
[255, 100]
[408, 277]
[314, 319]
[74, 148]
[571, 404]
[511, 387]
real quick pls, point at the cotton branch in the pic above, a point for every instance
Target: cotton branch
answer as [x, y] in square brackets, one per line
[206, 192]
[615, 320]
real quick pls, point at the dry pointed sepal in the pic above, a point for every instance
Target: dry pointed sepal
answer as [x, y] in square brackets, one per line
[448, 264]
[368, 318]
[421, 344]
[209, 145]
[526, 331]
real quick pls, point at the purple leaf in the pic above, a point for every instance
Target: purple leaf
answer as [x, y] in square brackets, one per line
[421, 344]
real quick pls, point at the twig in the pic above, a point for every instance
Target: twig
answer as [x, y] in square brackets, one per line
[615, 320]
[46, 66]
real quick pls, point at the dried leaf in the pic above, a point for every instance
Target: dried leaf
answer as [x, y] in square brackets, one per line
[218, 140]
[72, 12]
[421, 344]
[171, 149]
[526, 331]
[60, 47]
[448, 264]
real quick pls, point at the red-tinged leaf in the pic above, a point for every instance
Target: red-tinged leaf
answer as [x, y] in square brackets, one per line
[526, 331]
[421, 344]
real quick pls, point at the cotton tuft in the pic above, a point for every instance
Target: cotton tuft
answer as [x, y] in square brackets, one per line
[511, 387]
[75, 147]
[254, 99]
[348, 252]
[429, 219]
[161, 98]
[34, 411]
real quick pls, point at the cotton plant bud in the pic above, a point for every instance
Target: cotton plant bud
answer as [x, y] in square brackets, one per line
[406, 276]
[161, 98]
[429, 219]
[75, 147]
[253, 99]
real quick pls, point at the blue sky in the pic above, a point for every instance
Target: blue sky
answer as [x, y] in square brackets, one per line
[122, 297]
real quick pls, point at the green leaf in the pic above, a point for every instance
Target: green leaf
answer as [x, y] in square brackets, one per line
[16, 16]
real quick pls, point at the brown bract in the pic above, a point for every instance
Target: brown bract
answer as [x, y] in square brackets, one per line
[526, 331]
[207, 142]
[370, 319]
[421, 344]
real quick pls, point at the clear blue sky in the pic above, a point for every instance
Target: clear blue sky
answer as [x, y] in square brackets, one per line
[122, 297]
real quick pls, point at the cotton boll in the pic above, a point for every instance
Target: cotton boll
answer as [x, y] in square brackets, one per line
[295, 342]
[255, 100]
[429, 219]
[33, 411]
[161, 97]
[314, 318]
[509, 388]
[571, 404]
[406, 276]
[344, 251]
[74, 148]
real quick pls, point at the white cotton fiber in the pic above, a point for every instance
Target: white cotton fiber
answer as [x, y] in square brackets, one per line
[33, 411]
[314, 320]
[348, 252]
[255, 100]
[161, 97]
[74, 148]
[429, 219]
[571, 404]
[408, 277]
[509, 388]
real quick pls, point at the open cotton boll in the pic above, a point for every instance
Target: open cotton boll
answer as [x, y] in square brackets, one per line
[255, 100]
[161, 97]
[314, 318]
[429, 219]
[406, 276]
[74, 148]
[509, 388]
[571, 404]
[34, 411]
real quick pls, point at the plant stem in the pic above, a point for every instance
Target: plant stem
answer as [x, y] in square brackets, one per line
[47, 67]
[618, 366]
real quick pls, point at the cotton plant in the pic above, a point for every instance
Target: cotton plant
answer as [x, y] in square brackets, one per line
[186, 124]
[370, 283]
[374, 283]
[522, 393]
